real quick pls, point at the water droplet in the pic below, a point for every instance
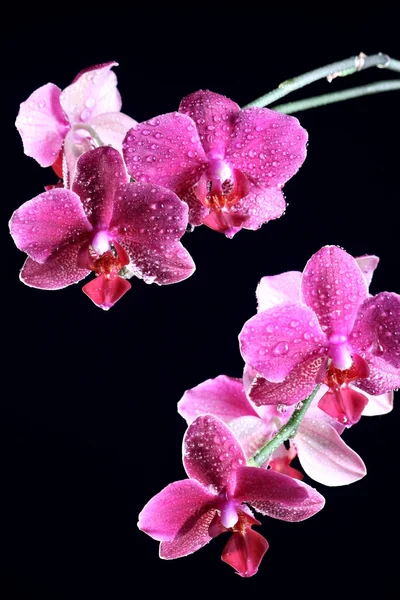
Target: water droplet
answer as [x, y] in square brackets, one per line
[281, 348]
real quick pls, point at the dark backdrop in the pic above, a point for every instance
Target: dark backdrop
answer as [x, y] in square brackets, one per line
[88, 413]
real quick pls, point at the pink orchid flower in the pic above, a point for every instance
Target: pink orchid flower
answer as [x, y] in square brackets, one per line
[228, 164]
[187, 514]
[106, 225]
[322, 326]
[323, 454]
[55, 123]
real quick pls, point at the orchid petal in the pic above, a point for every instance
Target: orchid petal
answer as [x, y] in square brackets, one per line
[252, 433]
[222, 397]
[211, 453]
[60, 270]
[277, 495]
[334, 287]
[99, 174]
[323, 454]
[367, 264]
[244, 551]
[48, 221]
[93, 92]
[344, 404]
[214, 116]
[259, 206]
[166, 151]
[194, 535]
[275, 341]
[278, 289]
[383, 377]
[112, 128]
[378, 405]
[42, 124]
[106, 290]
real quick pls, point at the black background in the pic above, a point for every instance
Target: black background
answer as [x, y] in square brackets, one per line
[88, 413]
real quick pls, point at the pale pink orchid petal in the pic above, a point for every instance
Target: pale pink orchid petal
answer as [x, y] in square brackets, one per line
[112, 128]
[166, 151]
[175, 510]
[194, 535]
[344, 404]
[275, 341]
[377, 328]
[334, 287]
[378, 405]
[42, 124]
[106, 290]
[48, 222]
[93, 92]
[60, 270]
[367, 264]
[214, 116]
[323, 454]
[244, 551]
[383, 377]
[267, 146]
[278, 289]
[212, 454]
[252, 432]
[222, 397]
[98, 177]
[276, 495]
[149, 221]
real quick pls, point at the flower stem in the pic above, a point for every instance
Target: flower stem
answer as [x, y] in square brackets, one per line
[324, 99]
[285, 433]
[341, 68]
[91, 131]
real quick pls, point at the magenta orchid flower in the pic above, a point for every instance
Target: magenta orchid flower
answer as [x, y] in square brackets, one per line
[187, 514]
[323, 454]
[331, 332]
[228, 164]
[55, 123]
[106, 225]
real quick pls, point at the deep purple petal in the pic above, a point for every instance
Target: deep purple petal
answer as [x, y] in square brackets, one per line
[42, 124]
[277, 495]
[244, 551]
[278, 289]
[214, 116]
[378, 405]
[166, 151]
[268, 147]
[383, 377]
[148, 221]
[323, 454]
[194, 535]
[377, 328]
[211, 453]
[222, 397]
[60, 270]
[93, 92]
[99, 174]
[45, 223]
[367, 264]
[277, 340]
[334, 287]
[175, 509]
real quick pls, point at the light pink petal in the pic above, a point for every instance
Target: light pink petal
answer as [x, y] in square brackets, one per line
[106, 290]
[93, 92]
[278, 289]
[175, 510]
[42, 124]
[277, 495]
[279, 339]
[267, 146]
[166, 151]
[259, 206]
[344, 404]
[252, 433]
[193, 536]
[60, 270]
[112, 128]
[211, 453]
[280, 461]
[99, 174]
[378, 405]
[148, 221]
[244, 551]
[214, 116]
[334, 287]
[323, 454]
[222, 397]
[383, 377]
[367, 264]
[45, 223]
[296, 386]
[377, 328]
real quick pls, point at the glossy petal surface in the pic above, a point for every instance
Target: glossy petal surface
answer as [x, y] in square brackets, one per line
[278, 289]
[60, 270]
[244, 552]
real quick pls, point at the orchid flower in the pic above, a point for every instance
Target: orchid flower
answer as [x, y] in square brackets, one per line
[106, 225]
[187, 514]
[228, 164]
[322, 326]
[54, 124]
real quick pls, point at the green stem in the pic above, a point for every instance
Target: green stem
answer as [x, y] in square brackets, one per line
[341, 68]
[324, 99]
[285, 433]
